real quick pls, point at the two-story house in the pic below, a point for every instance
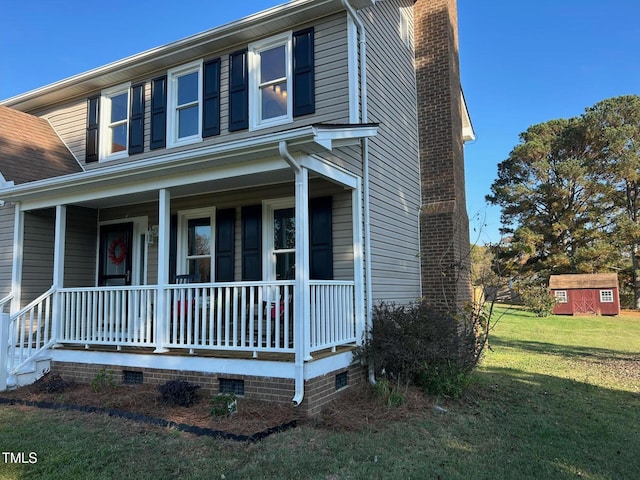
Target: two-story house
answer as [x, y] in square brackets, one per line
[228, 207]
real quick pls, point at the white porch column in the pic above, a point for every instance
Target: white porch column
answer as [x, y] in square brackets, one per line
[18, 252]
[358, 263]
[302, 297]
[58, 266]
[161, 314]
[59, 246]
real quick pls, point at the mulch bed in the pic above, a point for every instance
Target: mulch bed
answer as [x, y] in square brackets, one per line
[356, 409]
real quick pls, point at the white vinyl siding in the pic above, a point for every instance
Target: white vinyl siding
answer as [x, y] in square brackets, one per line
[342, 229]
[332, 97]
[37, 266]
[7, 213]
[393, 157]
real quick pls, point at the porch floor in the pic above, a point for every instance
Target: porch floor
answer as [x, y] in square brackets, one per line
[236, 355]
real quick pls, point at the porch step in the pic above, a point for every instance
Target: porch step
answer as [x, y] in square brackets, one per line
[30, 372]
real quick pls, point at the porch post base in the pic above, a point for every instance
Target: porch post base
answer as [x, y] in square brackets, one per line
[161, 350]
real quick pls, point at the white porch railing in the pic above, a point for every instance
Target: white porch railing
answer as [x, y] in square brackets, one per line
[30, 331]
[5, 301]
[239, 316]
[108, 316]
[333, 318]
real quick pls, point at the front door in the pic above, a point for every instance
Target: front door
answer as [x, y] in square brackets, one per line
[116, 245]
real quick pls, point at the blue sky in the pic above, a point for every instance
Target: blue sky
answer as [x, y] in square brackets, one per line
[522, 62]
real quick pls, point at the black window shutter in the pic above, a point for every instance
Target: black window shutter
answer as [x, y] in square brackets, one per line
[238, 91]
[252, 242]
[225, 243]
[304, 90]
[211, 99]
[158, 113]
[93, 129]
[136, 120]
[321, 238]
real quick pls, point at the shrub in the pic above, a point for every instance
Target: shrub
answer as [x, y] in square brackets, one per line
[419, 345]
[538, 300]
[391, 396]
[52, 383]
[224, 404]
[179, 392]
[103, 380]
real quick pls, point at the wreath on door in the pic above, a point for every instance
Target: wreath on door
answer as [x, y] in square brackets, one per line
[117, 251]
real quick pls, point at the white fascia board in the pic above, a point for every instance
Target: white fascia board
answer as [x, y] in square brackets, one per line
[333, 137]
[468, 134]
[134, 176]
[330, 171]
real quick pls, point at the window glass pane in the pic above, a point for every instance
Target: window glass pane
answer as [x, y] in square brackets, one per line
[274, 100]
[273, 64]
[202, 268]
[119, 107]
[199, 237]
[188, 122]
[284, 228]
[286, 266]
[188, 88]
[119, 138]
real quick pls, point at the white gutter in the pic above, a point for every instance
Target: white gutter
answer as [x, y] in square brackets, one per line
[365, 161]
[301, 297]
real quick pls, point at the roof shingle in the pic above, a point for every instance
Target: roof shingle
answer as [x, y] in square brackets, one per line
[583, 280]
[31, 150]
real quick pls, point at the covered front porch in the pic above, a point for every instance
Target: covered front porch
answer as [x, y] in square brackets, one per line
[204, 258]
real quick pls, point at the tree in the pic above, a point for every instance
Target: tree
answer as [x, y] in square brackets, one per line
[570, 195]
[613, 127]
[554, 210]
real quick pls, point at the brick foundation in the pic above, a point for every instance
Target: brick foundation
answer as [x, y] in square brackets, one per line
[318, 391]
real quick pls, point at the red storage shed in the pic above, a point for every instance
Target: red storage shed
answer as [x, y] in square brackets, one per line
[585, 294]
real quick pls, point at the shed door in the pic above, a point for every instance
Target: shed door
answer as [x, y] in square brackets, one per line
[584, 301]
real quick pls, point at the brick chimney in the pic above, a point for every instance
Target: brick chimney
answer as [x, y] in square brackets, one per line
[444, 224]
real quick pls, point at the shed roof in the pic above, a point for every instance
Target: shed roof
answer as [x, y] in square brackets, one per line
[31, 150]
[583, 280]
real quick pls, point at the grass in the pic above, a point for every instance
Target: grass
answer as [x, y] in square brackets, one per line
[556, 398]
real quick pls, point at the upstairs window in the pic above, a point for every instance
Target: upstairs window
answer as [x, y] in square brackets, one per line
[184, 104]
[270, 80]
[115, 123]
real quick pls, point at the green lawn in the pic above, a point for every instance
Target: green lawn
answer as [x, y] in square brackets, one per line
[556, 398]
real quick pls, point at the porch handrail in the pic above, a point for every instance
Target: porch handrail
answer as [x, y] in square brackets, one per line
[30, 336]
[5, 300]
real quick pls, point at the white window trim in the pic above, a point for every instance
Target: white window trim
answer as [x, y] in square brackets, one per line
[405, 28]
[561, 296]
[255, 104]
[269, 258]
[105, 121]
[172, 104]
[182, 243]
[609, 298]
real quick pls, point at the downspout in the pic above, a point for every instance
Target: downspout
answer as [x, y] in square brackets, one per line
[301, 275]
[364, 115]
